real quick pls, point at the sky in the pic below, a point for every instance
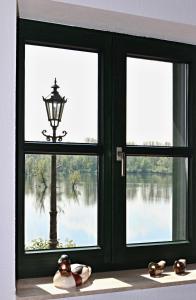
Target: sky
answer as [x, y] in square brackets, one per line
[77, 75]
[149, 95]
[149, 101]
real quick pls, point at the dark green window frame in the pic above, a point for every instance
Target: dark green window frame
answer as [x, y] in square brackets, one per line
[112, 253]
[36, 33]
[170, 52]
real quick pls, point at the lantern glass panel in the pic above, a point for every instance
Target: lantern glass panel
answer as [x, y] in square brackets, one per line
[54, 111]
[48, 110]
[61, 111]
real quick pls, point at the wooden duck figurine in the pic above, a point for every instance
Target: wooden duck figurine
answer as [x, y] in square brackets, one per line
[156, 269]
[179, 266]
[70, 275]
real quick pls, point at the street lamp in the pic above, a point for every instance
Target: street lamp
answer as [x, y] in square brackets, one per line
[54, 108]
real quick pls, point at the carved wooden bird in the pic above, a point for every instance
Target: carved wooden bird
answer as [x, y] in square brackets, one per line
[179, 266]
[156, 269]
[70, 275]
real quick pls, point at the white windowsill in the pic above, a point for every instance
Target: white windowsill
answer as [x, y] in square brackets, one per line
[106, 282]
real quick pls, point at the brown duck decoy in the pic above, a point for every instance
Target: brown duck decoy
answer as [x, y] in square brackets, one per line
[156, 269]
[179, 266]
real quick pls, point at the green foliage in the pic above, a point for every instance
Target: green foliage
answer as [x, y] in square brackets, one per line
[41, 244]
[146, 164]
[74, 177]
[42, 170]
[75, 165]
[39, 166]
[68, 244]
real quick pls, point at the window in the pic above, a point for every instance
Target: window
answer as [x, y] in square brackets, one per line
[71, 68]
[156, 198]
[156, 116]
[74, 173]
[76, 195]
[115, 190]
[61, 184]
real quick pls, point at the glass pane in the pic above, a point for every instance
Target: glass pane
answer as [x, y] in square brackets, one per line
[77, 75]
[156, 102]
[76, 201]
[156, 199]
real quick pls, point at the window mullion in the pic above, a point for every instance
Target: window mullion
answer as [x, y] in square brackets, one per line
[159, 151]
[63, 148]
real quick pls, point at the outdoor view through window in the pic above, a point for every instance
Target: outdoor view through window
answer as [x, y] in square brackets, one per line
[156, 116]
[76, 175]
[156, 185]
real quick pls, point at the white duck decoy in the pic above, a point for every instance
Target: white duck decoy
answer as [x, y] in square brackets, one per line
[70, 275]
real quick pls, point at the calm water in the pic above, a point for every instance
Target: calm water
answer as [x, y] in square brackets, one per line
[77, 211]
[149, 208]
[148, 198]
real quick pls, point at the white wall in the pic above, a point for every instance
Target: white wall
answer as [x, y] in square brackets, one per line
[163, 19]
[7, 148]
[140, 17]
[180, 11]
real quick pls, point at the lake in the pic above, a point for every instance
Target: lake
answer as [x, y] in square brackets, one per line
[149, 209]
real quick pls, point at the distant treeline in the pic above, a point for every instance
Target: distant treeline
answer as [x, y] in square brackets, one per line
[144, 164]
[39, 165]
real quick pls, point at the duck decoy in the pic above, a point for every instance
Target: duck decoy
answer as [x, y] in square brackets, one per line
[156, 269]
[70, 275]
[179, 266]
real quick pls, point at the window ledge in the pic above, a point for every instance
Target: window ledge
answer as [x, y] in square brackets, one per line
[99, 283]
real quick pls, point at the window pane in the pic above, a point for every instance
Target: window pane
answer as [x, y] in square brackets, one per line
[77, 75]
[76, 201]
[156, 199]
[156, 102]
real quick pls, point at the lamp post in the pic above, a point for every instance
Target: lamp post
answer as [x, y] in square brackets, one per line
[54, 108]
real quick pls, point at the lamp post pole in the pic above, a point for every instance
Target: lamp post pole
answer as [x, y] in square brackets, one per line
[53, 242]
[54, 108]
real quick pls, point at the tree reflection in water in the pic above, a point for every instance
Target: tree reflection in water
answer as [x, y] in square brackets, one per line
[70, 196]
[33, 187]
[152, 187]
[66, 191]
[77, 194]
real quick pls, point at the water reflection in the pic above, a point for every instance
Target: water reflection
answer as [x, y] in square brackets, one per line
[76, 206]
[152, 187]
[33, 187]
[148, 196]
[65, 188]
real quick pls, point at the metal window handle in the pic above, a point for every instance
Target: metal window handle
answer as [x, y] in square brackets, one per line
[120, 156]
